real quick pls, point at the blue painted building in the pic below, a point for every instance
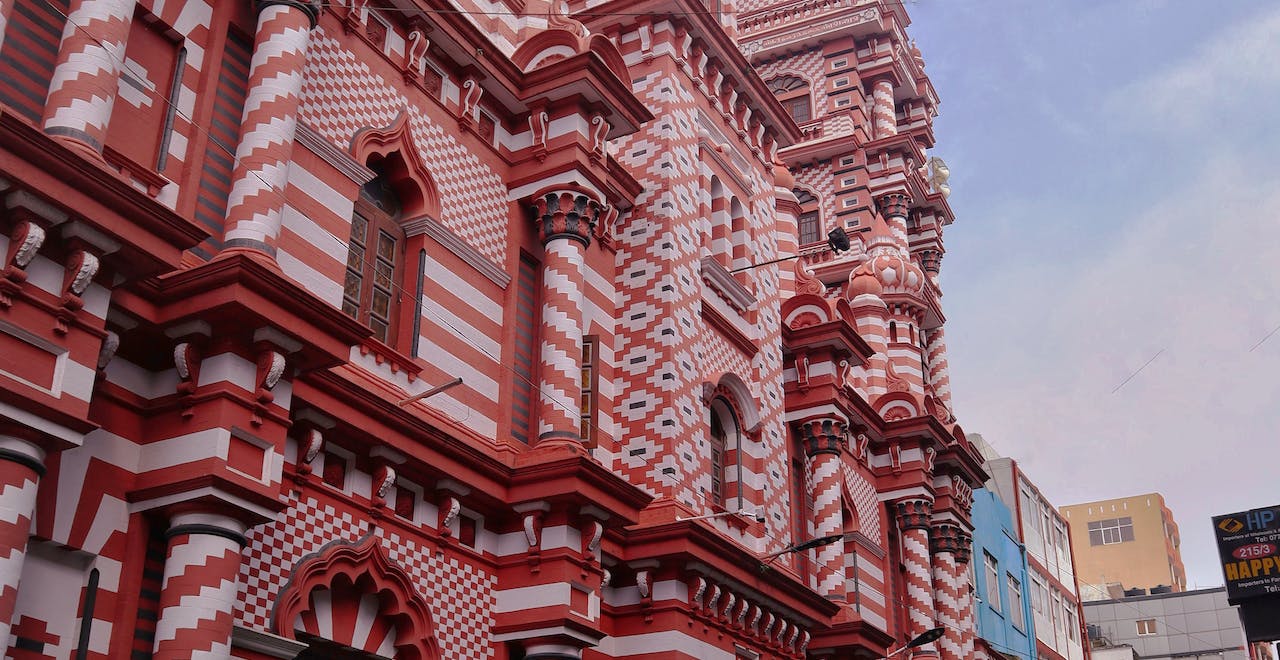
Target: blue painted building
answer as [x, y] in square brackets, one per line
[1000, 580]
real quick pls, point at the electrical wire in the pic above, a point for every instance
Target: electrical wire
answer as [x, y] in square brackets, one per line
[365, 259]
[402, 292]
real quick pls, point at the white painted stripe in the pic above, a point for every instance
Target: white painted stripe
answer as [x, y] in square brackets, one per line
[672, 641]
[210, 443]
[439, 315]
[230, 368]
[523, 598]
[449, 280]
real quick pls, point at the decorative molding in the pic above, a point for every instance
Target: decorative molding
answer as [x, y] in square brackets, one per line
[332, 154]
[458, 247]
[724, 283]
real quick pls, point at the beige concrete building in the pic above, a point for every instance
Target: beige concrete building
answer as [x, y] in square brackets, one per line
[1125, 543]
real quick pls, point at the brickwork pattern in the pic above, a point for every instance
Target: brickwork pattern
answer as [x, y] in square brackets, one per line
[459, 592]
[340, 96]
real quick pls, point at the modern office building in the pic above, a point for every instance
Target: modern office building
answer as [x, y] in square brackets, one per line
[1188, 624]
[474, 330]
[1052, 589]
[1001, 581]
[1125, 544]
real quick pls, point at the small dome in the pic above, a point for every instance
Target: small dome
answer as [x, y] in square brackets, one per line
[863, 280]
[896, 274]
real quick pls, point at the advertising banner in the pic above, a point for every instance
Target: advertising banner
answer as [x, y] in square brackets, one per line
[1249, 546]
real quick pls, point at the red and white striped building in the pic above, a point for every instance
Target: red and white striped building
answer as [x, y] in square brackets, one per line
[240, 238]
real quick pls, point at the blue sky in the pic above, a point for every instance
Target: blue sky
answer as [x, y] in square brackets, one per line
[1116, 183]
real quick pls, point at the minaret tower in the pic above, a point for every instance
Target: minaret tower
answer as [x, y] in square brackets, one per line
[855, 85]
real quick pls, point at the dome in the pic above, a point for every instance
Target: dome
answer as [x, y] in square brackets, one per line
[863, 280]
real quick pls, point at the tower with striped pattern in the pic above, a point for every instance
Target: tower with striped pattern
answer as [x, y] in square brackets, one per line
[430, 331]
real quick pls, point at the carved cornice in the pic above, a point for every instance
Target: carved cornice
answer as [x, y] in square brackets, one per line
[460, 248]
[823, 436]
[565, 214]
[913, 513]
[720, 279]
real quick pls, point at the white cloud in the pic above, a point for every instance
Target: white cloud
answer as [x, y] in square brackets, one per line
[1192, 279]
[1226, 74]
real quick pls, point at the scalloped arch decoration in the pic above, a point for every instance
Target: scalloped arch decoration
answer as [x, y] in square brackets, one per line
[805, 306]
[540, 47]
[359, 570]
[409, 175]
[894, 406]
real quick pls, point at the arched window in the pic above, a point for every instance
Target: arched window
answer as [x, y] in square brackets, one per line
[793, 93]
[370, 292]
[722, 439]
[809, 223]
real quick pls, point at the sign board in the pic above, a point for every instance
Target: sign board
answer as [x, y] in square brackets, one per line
[1249, 547]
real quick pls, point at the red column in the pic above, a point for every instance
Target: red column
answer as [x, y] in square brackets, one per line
[86, 77]
[913, 526]
[198, 595]
[939, 371]
[824, 440]
[963, 554]
[269, 123]
[21, 466]
[945, 540]
[884, 115]
[565, 221]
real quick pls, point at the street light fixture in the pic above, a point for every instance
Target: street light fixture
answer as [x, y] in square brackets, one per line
[801, 547]
[923, 638]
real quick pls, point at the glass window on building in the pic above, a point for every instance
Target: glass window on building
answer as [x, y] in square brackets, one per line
[1069, 619]
[1146, 626]
[1110, 531]
[992, 581]
[1015, 604]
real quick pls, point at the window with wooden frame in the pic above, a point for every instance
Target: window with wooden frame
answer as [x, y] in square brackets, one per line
[371, 289]
[724, 427]
[590, 388]
[802, 510]
[525, 346]
[716, 444]
[809, 224]
[793, 93]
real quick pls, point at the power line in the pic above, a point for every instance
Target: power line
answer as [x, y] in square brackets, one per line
[364, 259]
[442, 321]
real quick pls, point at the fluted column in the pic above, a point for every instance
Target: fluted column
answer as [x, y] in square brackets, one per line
[565, 220]
[21, 466]
[198, 595]
[824, 439]
[948, 588]
[884, 115]
[269, 123]
[86, 76]
[913, 527]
